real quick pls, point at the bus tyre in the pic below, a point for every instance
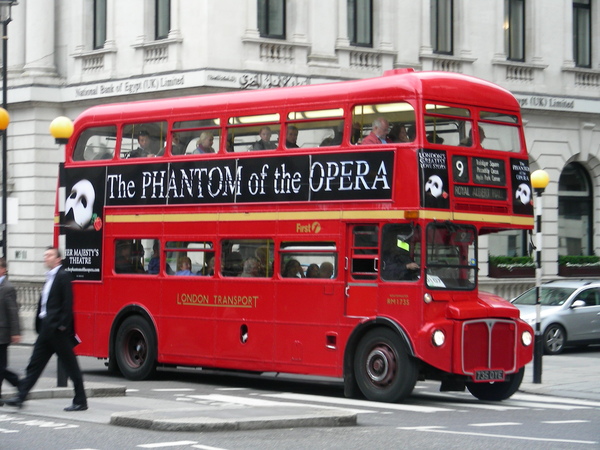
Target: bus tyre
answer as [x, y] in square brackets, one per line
[497, 391]
[135, 349]
[383, 369]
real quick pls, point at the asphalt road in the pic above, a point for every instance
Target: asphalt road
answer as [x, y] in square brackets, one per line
[429, 419]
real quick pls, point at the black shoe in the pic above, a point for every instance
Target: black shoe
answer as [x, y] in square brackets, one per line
[14, 401]
[76, 407]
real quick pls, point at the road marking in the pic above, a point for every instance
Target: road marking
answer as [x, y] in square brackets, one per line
[5, 431]
[231, 389]
[542, 405]
[495, 424]
[174, 390]
[560, 422]
[167, 444]
[464, 402]
[548, 399]
[499, 436]
[359, 403]
[207, 447]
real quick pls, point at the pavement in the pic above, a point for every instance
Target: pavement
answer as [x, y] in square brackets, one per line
[572, 375]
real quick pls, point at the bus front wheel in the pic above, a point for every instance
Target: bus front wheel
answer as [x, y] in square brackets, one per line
[384, 370]
[498, 390]
[135, 349]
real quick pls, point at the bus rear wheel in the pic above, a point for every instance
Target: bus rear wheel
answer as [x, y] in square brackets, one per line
[497, 391]
[135, 349]
[384, 370]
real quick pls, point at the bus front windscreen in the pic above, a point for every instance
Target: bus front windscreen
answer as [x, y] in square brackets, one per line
[451, 251]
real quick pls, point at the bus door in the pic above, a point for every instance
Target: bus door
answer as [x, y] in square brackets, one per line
[362, 266]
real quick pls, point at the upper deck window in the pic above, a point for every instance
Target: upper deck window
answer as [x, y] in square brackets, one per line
[271, 18]
[318, 128]
[446, 125]
[360, 22]
[143, 140]
[369, 121]
[248, 133]
[96, 143]
[195, 137]
[500, 131]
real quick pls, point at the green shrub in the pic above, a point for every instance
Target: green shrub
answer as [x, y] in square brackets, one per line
[564, 260]
[509, 261]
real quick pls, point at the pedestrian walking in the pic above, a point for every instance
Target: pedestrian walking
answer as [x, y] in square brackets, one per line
[56, 333]
[9, 326]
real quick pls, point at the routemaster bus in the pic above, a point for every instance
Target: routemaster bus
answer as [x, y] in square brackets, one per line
[327, 230]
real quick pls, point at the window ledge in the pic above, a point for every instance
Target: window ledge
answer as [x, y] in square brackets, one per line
[588, 78]
[157, 43]
[447, 63]
[520, 71]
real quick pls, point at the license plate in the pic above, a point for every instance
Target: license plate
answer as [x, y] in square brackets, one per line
[489, 375]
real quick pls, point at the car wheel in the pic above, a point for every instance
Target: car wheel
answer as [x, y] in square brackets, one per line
[555, 339]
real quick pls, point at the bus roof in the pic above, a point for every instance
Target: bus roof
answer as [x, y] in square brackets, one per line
[394, 84]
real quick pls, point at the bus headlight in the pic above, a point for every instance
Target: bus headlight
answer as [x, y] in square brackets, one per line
[427, 298]
[438, 338]
[526, 338]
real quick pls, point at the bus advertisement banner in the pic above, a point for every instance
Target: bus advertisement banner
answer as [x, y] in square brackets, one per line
[81, 220]
[299, 178]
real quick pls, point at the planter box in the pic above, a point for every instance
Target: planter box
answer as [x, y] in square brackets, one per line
[511, 272]
[579, 271]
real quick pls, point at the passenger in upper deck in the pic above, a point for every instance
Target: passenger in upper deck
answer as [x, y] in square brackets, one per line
[204, 143]
[378, 135]
[144, 143]
[398, 133]
[468, 141]
[291, 137]
[265, 140]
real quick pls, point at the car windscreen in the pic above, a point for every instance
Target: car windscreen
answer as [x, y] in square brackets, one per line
[550, 296]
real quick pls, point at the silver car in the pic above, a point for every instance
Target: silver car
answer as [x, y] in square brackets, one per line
[570, 313]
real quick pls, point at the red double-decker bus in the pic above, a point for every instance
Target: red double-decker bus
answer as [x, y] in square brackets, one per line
[327, 230]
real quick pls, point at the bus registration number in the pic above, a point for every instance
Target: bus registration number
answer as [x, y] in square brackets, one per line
[489, 375]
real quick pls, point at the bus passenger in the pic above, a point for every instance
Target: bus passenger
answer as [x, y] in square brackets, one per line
[398, 133]
[326, 270]
[154, 263]
[143, 150]
[467, 142]
[177, 148]
[251, 267]
[184, 266]
[434, 138]
[232, 264]
[204, 143]
[291, 137]
[312, 271]
[125, 258]
[265, 140]
[378, 134]
[293, 269]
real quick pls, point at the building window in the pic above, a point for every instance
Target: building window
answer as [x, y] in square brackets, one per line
[99, 23]
[582, 33]
[360, 22]
[271, 18]
[441, 26]
[162, 18]
[514, 29]
[575, 212]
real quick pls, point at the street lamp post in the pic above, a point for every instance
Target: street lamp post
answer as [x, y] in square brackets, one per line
[539, 181]
[61, 129]
[5, 18]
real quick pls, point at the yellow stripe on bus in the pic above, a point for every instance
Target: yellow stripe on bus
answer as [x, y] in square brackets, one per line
[317, 215]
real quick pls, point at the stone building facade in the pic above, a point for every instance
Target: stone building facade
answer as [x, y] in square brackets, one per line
[66, 55]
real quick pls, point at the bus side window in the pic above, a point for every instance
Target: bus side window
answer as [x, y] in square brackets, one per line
[143, 140]
[190, 258]
[133, 255]
[308, 260]
[96, 143]
[252, 258]
[392, 122]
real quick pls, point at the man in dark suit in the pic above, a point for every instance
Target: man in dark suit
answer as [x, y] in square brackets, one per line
[9, 325]
[56, 333]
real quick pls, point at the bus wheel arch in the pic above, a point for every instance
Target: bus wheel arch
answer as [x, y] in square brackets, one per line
[379, 362]
[134, 344]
